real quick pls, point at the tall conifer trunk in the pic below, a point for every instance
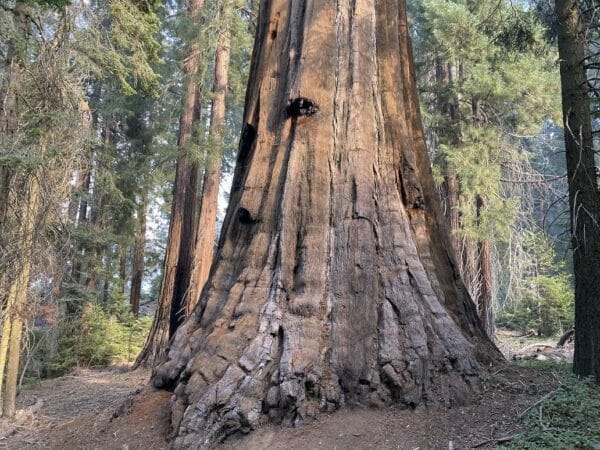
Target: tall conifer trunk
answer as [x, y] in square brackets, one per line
[17, 299]
[137, 264]
[481, 273]
[474, 256]
[334, 281]
[484, 277]
[178, 257]
[22, 209]
[82, 219]
[584, 195]
[450, 134]
[207, 221]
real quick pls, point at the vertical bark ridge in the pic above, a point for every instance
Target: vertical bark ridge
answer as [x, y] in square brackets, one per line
[207, 219]
[584, 192]
[332, 294]
[177, 263]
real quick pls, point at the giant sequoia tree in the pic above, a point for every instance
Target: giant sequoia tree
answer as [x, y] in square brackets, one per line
[333, 281]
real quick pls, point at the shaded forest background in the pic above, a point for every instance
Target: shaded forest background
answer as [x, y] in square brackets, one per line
[92, 152]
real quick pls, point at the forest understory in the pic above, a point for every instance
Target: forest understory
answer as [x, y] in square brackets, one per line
[114, 408]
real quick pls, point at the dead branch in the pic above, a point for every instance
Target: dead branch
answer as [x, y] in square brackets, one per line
[544, 398]
[501, 440]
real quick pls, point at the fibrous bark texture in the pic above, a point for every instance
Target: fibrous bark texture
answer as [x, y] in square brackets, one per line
[584, 195]
[207, 219]
[484, 277]
[170, 311]
[333, 283]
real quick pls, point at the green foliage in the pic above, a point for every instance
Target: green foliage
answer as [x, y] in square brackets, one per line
[546, 296]
[478, 165]
[547, 306]
[568, 419]
[133, 32]
[98, 337]
[499, 63]
[120, 44]
[488, 81]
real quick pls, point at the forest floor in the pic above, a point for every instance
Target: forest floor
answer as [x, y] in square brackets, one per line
[116, 409]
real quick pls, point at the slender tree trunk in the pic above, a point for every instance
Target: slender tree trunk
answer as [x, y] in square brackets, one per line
[5, 177]
[449, 134]
[334, 281]
[81, 180]
[484, 278]
[450, 189]
[82, 216]
[9, 124]
[123, 265]
[82, 219]
[7, 301]
[483, 294]
[18, 299]
[584, 197]
[137, 266]
[474, 257]
[94, 258]
[207, 221]
[170, 311]
[4, 340]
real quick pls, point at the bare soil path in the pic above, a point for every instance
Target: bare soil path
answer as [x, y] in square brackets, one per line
[116, 409]
[94, 409]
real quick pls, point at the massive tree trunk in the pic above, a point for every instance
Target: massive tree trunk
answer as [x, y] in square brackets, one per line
[178, 258]
[207, 221]
[584, 196]
[137, 264]
[334, 281]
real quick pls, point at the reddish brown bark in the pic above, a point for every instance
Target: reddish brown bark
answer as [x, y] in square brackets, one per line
[178, 258]
[207, 221]
[484, 278]
[334, 282]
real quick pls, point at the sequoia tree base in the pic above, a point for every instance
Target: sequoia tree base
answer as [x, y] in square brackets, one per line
[334, 281]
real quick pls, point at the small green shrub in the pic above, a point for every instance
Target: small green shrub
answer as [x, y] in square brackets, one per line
[99, 336]
[546, 306]
[544, 301]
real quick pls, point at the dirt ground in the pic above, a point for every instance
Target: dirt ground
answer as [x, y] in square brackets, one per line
[116, 409]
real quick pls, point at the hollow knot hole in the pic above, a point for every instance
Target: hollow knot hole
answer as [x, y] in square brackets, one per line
[302, 107]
